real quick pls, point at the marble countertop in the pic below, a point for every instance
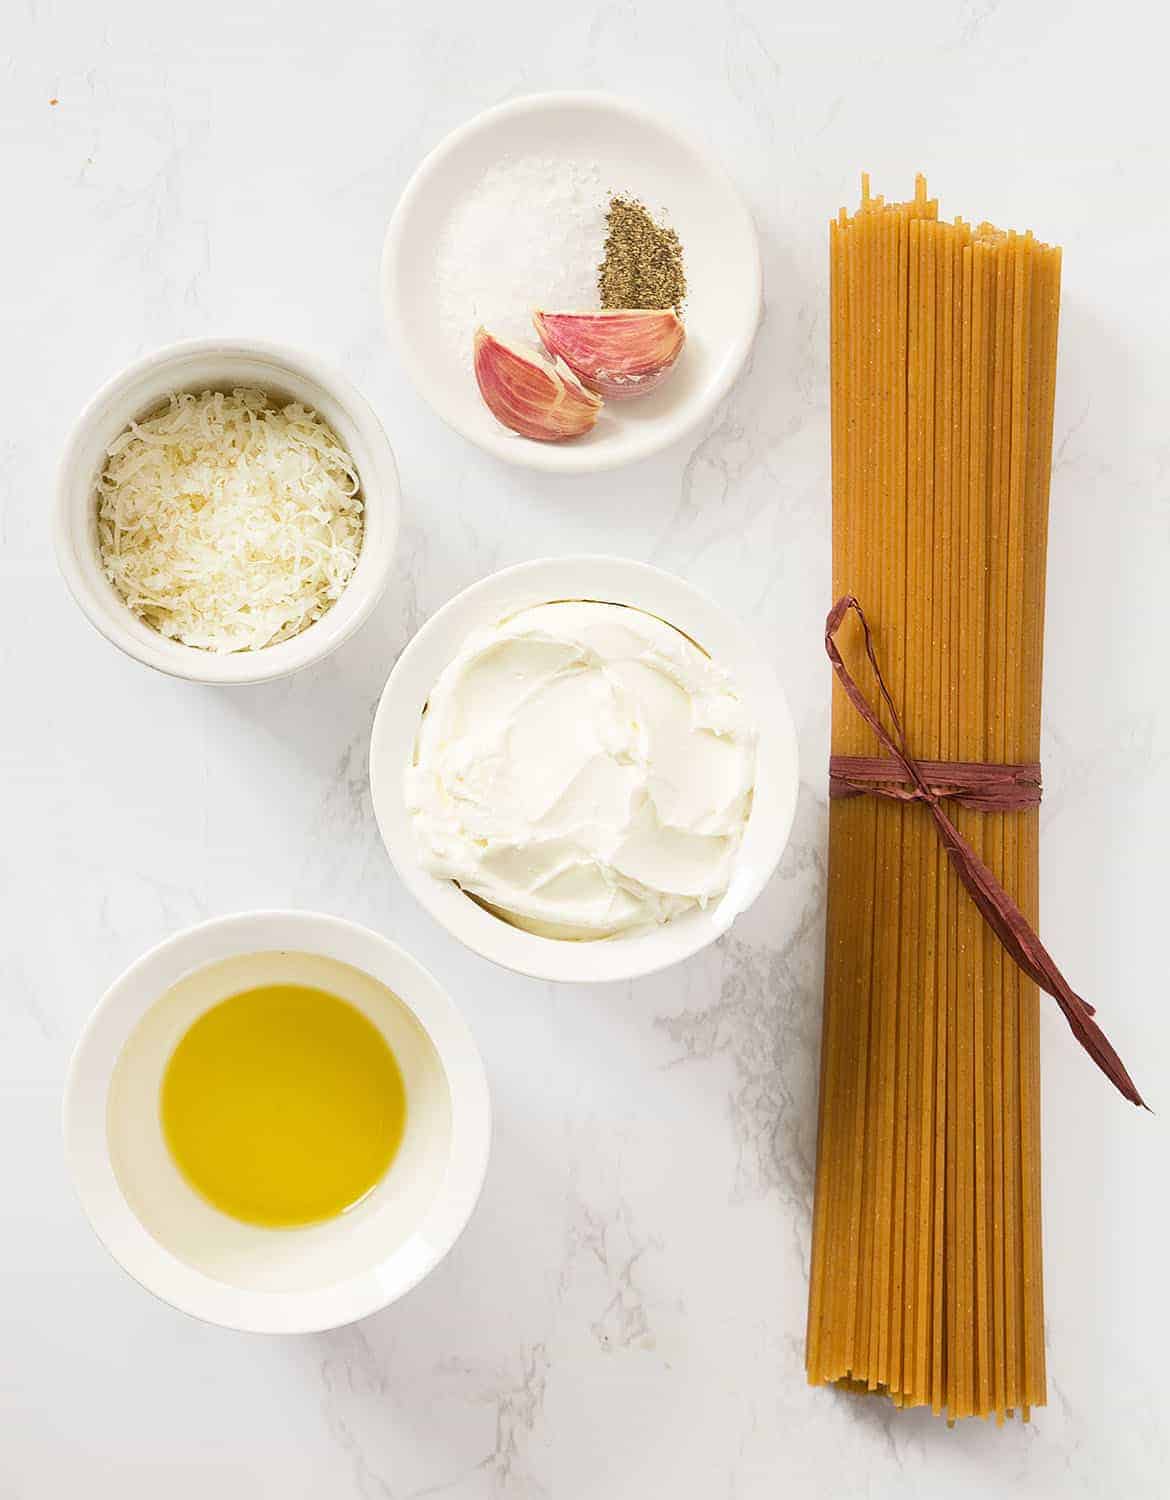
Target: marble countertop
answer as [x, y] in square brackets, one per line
[624, 1316]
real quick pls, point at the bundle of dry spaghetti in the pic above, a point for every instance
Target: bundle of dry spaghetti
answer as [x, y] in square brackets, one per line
[926, 1268]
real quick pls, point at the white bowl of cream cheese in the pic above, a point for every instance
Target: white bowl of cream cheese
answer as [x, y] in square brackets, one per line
[584, 768]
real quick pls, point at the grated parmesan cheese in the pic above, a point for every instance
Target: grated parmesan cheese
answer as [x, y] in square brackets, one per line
[229, 523]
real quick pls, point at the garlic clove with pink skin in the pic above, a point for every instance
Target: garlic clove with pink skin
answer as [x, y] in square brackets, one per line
[529, 395]
[618, 353]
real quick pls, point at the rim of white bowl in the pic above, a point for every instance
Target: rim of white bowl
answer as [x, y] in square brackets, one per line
[114, 404]
[155, 1267]
[612, 580]
[562, 458]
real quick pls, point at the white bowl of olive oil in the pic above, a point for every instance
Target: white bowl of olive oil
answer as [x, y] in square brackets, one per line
[277, 1122]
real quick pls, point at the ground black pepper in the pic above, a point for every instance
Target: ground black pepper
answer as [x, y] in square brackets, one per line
[642, 265]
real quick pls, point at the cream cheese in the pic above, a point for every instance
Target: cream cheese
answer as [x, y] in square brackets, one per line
[583, 769]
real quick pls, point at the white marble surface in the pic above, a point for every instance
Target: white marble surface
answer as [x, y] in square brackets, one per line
[624, 1317]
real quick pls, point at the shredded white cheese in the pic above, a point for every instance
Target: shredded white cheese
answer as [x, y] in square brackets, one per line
[229, 523]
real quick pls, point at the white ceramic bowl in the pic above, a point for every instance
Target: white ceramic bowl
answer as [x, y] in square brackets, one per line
[220, 364]
[212, 1266]
[615, 581]
[637, 153]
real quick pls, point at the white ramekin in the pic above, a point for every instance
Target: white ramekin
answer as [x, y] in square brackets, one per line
[220, 364]
[616, 581]
[212, 1266]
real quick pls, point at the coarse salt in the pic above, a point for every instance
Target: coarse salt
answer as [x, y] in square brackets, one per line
[529, 234]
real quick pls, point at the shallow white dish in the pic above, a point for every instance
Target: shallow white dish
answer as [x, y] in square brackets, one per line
[208, 1264]
[637, 153]
[615, 581]
[219, 364]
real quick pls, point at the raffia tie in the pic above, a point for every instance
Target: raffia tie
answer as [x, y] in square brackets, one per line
[987, 788]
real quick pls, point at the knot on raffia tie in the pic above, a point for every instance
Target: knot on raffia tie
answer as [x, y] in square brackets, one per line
[988, 788]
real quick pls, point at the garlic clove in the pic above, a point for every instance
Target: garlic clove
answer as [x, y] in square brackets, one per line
[618, 353]
[530, 396]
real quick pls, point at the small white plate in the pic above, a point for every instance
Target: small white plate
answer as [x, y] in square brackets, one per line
[612, 580]
[636, 153]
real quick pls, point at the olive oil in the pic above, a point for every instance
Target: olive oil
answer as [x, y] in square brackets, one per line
[283, 1105]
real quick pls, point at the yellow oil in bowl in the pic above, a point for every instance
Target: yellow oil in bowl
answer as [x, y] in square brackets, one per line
[283, 1105]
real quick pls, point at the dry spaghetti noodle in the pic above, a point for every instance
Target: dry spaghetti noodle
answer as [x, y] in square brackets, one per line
[926, 1274]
